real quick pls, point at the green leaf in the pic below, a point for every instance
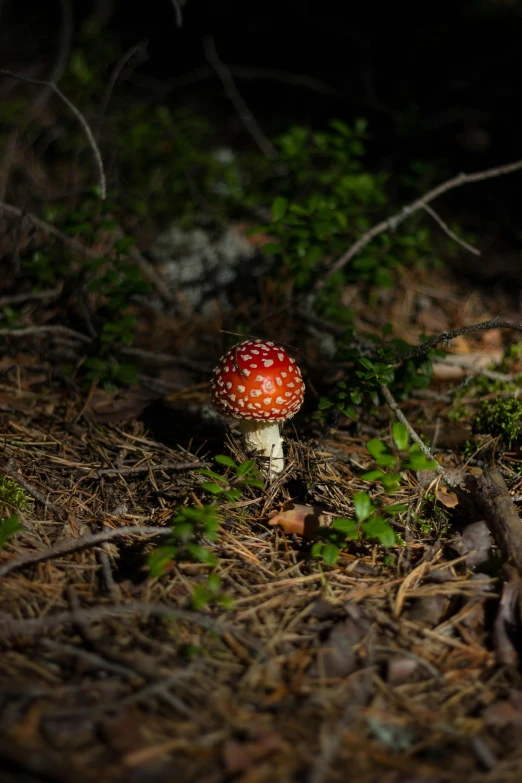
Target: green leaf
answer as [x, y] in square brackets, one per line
[245, 467]
[330, 554]
[279, 207]
[200, 553]
[347, 526]
[379, 529]
[417, 460]
[8, 527]
[272, 249]
[381, 452]
[232, 494]
[214, 489]
[400, 435]
[159, 560]
[211, 474]
[254, 482]
[363, 505]
[223, 459]
[395, 508]
[373, 475]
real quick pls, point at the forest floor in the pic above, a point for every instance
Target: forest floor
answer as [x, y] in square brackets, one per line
[398, 665]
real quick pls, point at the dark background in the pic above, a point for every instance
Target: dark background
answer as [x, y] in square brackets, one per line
[437, 82]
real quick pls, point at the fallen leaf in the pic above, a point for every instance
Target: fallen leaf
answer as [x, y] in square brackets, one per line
[300, 519]
[448, 499]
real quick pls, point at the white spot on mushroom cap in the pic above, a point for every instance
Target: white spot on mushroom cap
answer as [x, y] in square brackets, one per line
[268, 362]
[241, 389]
[256, 393]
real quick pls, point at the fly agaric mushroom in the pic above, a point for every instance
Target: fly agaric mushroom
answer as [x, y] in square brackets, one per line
[259, 384]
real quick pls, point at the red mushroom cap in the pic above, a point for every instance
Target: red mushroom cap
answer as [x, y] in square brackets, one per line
[257, 379]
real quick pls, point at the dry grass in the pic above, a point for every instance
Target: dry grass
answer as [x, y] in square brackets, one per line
[388, 671]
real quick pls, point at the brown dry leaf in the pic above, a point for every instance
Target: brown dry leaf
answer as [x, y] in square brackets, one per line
[448, 499]
[296, 518]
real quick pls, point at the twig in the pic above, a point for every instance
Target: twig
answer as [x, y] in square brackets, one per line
[244, 113]
[12, 627]
[166, 358]
[147, 270]
[79, 116]
[110, 585]
[30, 296]
[41, 331]
[64, 49]
[413, 435]
[167, 466]
[10, 470]
[241, 72]
[445, 337]
[177, 11]
[50, 229]
[139, 48]
[507, 613]
[494, 501]
[77, 544]
[390, 224]
[90, 657]
[447, 230]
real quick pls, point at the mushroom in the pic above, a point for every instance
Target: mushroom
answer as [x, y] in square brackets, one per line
[259, 384]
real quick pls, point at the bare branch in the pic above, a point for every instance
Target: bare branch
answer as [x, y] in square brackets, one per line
[41, 331]
[447, 230]
[392, 404]
[30, 296]
[77, 544]
[177, 11]
[244, 113]
[79, 116]
[177, 467]
[11, 627]
[146, 268]
[390, 224]
[141, 49]
[445, 337]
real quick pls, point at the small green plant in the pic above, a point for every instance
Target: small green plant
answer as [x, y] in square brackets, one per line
[192, 525]
[244, 475]
[371, 520]
[189, 526]
[502, 417]
[433, 517]
[8, 527]
[13, 496]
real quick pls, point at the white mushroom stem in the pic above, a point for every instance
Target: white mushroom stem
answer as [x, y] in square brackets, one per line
[264, 437]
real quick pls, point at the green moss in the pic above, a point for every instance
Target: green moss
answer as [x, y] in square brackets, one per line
[502, 417]
[12, 496]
